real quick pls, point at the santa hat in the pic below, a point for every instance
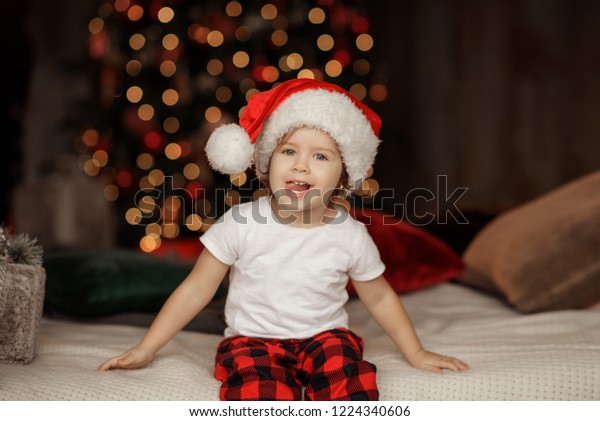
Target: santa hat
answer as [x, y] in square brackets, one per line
[297, 103]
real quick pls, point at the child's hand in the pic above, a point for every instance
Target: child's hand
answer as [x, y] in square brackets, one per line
[431, 361]
[136, 357]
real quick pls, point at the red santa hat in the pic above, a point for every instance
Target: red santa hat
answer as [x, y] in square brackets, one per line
[297, 103]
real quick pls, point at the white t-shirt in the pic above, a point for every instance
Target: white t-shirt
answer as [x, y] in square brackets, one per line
[289, 282]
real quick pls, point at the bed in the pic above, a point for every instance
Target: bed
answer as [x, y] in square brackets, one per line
[521, 305]
[545, 356]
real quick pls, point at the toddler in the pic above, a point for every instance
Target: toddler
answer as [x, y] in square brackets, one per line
[290, 255]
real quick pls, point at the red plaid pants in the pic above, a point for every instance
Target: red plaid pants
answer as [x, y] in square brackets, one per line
[329, 365]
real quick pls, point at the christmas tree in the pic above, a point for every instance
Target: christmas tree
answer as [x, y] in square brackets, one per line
[169, 72]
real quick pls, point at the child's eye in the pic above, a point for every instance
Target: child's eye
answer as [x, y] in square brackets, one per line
[320, 157]
[288, 152]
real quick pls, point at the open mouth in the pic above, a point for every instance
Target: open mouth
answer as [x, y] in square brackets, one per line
[297, 188]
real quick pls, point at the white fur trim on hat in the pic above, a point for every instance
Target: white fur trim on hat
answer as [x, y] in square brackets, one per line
[332, 112]
[229, 149]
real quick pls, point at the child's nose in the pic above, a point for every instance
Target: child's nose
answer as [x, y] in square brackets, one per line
[300, 164]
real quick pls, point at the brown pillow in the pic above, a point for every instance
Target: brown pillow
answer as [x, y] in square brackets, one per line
[545, 254]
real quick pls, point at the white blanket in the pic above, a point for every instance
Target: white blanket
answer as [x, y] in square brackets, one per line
[547, 356]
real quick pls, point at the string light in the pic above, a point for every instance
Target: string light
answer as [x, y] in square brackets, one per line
[100, 158]
[156, 46]
[378, 92]
[325, 42]
[173, 151]
[191, 171]
[171, 231]
[133, 67]
[90, 137]
[166, 14]
[306, 74]
[212, 114]
[147, 204]
[145, 184]
[251, 93]
[170, 42]
[171, 125]
[359, 91]
[198, 33]
[133, 216]
[96, 25]
[193, 222]
[146, 112]
[134, 94]
[172, 204]
[154, 230]
[152, 140]
[233, 9]
[170, 97]
[168, 68]
[137, 41]
[91, 168]
[283, 64]
[241, 59]
[223, 94]
[232, 198]
[145, 161]
[238, 179]
[135, 13]
[111, 192]
[268, 11]
[333, 68]
[243, 33]
[214, 67]
[149, 243]
[279, 38]
[294, 61]
[121, 5]
[270, 74]
[215, 38]
[361, 67]
[156, 177]
[316, 16]
[364, 42]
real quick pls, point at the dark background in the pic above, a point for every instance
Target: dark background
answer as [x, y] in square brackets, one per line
[500, 96]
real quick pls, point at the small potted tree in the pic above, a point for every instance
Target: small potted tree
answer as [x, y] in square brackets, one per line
[22, 286]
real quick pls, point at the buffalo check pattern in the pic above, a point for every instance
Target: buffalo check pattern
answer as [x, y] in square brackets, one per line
[328, 366]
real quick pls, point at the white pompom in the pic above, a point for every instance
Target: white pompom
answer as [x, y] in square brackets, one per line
[229, 150]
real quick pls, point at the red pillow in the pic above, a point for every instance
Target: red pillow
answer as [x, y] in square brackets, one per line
[414, 259]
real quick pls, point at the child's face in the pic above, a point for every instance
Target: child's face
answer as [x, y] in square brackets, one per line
[306, 168]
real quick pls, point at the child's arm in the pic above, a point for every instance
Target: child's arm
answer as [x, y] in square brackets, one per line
[387, 309]
[194, 293]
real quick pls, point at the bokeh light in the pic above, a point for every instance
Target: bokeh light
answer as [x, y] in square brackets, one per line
[134, 94]
[137, 41]
[233, 9]
[268, 11]
[168, 68]
[215, 38]
[316, 15]
[170, 42]
[166, 14]
[364, 42]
